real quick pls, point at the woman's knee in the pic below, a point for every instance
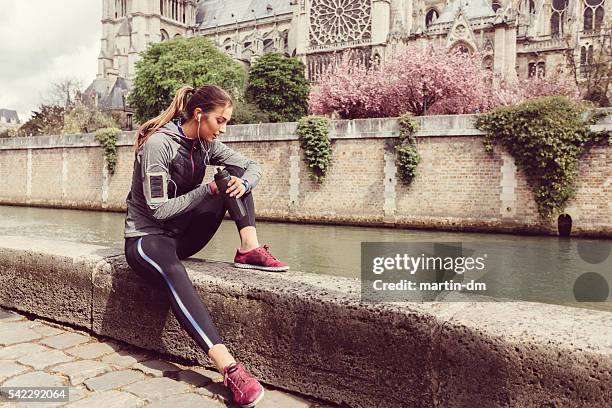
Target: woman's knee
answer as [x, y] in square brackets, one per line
[201, 214]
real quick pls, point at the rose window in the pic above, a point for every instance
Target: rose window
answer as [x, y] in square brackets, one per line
[339, 21]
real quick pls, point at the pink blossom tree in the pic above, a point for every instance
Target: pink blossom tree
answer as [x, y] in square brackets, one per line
[436, 81]
[413, 80]
[422, 80]
[552, 85]
[507, 94]
[347, 87]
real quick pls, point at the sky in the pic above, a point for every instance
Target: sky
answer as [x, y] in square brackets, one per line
[43, 42]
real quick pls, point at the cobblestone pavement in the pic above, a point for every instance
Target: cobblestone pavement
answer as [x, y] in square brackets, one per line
[106, 373]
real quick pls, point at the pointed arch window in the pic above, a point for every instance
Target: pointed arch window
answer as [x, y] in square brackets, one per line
[285, 36]
[496, 6]
[541, 69]
[536, 69]
[487, 62]
[120, 8]
[431, 17]
[268, 45]
[531, 69]
[557, 18]
[462, 48]
[593, 15]
[586, 58]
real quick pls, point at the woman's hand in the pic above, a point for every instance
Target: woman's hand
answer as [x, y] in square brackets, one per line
[236, 187]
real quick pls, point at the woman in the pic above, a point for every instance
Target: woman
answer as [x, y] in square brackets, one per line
[172, 215]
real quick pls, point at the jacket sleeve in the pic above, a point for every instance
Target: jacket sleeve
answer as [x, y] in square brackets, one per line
[224, 155]
[155, 159]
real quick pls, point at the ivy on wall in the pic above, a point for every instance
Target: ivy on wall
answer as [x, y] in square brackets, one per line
[547, 137]
[313, 134]
[107, 137]
[407, 158]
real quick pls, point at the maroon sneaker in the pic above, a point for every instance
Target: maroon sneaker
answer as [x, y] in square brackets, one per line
[259, 258]
[246, 389]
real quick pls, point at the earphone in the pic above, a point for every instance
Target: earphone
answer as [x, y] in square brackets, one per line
[206, 151]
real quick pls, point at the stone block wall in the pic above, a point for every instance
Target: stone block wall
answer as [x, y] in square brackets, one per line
[458, 187]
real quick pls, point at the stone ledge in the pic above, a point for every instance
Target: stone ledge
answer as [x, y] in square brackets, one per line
[429, 126]
[311, 334]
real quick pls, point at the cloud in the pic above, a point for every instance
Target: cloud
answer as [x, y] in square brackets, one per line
[43, 42]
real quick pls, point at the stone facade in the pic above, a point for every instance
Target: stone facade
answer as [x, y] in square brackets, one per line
[458, 187]
[516, 37]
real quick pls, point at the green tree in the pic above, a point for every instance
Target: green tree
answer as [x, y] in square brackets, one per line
[48, 120]
[247, 113]
[277, 85]
[81, 118]
[165, 66]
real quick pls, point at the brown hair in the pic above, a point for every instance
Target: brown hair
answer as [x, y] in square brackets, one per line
[207, 98]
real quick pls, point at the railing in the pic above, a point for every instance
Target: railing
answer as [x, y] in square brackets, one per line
[547, 42]
[475, 24]
[339, 46]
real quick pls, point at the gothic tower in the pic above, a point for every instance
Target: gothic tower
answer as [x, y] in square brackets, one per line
[129, 26]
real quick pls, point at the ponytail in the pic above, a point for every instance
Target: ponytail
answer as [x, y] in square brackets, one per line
[178, 105]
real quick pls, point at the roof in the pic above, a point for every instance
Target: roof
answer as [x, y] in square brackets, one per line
[109, 93]
[471, 9]
[212, 13]
[10, 115]
[116, 98]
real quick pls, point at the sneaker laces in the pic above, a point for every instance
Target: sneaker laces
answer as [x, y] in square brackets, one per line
[266, 250]
[240, 379]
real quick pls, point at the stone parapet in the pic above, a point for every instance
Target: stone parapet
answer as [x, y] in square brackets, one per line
[312, 334]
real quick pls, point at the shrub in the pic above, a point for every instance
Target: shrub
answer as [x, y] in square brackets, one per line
[314, 139]
[546, 136]
[247, 113]
[407, 158]
[278, 86]
[108, 139]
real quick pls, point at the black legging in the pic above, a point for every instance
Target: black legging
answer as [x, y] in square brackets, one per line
[156, 258]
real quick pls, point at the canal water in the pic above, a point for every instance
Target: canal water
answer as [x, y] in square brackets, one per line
[534, 265]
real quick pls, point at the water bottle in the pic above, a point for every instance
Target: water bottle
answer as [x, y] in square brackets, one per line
[235, 205]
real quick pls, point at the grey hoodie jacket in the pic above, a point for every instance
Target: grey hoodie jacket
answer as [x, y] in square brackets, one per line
[167, 180]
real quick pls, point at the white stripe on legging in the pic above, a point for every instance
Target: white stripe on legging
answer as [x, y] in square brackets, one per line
[176, 296]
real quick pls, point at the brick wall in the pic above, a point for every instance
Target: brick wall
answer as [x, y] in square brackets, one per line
[458, 186]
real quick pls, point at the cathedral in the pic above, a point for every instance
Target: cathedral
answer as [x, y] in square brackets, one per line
[515, 37]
